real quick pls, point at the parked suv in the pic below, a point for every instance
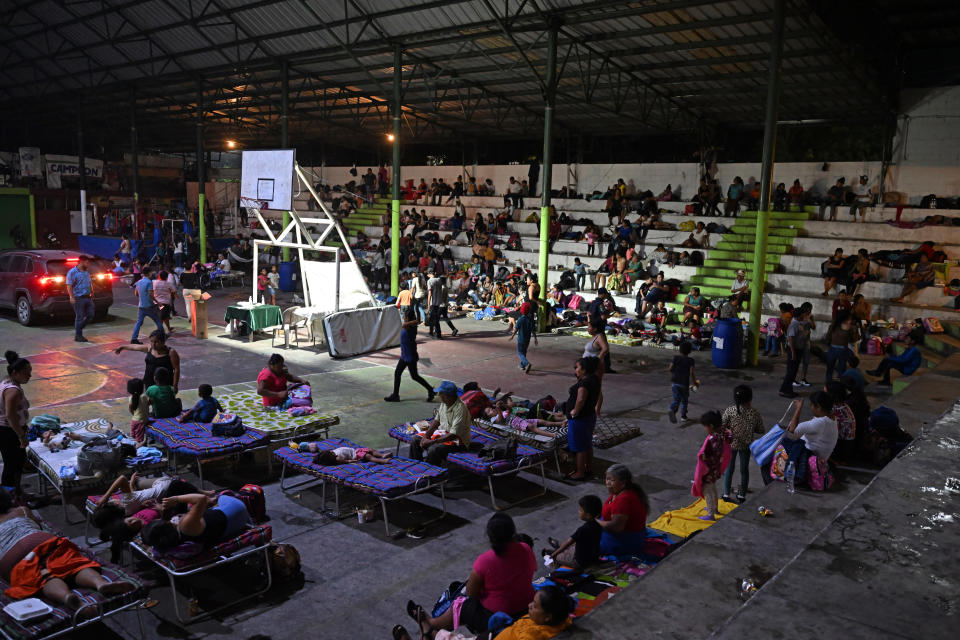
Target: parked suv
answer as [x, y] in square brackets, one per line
[33, 282]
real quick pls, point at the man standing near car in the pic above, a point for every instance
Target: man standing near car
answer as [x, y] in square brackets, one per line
[80, 290]
[147, 307]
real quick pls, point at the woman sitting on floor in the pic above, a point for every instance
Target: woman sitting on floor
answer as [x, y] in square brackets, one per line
[624, 516]
[499, 581]
[34, 561]
[208, 522]
[547, 615]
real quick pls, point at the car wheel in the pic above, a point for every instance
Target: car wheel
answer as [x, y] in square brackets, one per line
[24, 311]
[101, 314]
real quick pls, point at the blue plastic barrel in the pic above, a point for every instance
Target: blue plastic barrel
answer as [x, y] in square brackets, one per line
[727, 352]
[286, 271]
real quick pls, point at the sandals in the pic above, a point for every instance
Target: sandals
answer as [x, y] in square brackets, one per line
[553, 542]
[418, 615]
[400, 633]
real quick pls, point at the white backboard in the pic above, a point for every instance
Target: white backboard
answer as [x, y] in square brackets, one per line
[267, 177]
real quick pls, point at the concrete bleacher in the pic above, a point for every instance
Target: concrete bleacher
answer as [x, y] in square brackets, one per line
[798, 244]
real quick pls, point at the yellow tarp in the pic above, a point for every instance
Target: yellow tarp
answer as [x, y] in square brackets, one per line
[683, 522]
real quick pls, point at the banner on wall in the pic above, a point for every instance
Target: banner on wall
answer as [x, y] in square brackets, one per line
[69, 166]
[30, 162]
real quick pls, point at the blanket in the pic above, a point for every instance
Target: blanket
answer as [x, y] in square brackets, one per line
[683, 522]
[279, 425]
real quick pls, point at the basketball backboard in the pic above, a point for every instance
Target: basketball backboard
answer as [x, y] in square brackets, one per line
[267, 177]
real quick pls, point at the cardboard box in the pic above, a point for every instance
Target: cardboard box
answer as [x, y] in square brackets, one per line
[196, 300]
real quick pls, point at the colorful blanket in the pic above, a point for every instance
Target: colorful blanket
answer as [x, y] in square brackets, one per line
[196, 439]
[254, 536]
[683, 522]
[279, 425]
[397, 477]
[591, 589]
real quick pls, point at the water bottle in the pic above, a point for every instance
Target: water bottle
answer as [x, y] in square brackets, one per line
[789, 475]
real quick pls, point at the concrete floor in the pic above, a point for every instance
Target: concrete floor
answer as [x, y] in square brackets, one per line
[357, 579]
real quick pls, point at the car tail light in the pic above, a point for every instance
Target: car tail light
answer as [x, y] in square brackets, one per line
[105, 276]
[51, 280]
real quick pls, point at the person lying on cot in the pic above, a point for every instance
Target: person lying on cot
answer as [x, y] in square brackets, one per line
[120, 519]
[209, 521]
[37, 562]
[499, 414]
[342, 455]
[57, 441]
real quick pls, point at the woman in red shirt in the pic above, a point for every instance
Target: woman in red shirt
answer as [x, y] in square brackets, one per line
[624, 515]
[272, 381]
[501, 580]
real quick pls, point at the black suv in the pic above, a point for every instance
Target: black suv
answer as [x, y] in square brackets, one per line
[33, 282]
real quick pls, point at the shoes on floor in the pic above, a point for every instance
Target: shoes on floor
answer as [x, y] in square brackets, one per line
[788, 395]
[80, 339]
[135, 341]
[673, 416]
[392, 399]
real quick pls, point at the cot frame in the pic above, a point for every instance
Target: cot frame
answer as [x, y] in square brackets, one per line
[224, 559]
[522, 464]
[429, 483]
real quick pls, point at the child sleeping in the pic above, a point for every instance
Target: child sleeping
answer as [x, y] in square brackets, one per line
[500, 415]
[340, 455]
[57, 441]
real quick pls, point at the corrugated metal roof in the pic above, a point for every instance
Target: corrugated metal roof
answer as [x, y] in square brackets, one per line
[468, 56]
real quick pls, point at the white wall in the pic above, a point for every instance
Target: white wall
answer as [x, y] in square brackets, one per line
[926, 151]
[683, 177]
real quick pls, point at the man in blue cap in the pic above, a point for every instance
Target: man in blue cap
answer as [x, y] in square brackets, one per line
[453, 418]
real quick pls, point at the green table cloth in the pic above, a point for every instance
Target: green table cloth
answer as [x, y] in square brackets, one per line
[257, 318]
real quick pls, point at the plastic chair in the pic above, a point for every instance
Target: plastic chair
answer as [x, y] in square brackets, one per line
[291, 323]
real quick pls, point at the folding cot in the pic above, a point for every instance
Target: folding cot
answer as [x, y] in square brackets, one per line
[194, 439]
[62, 621]
[48, 463]
[279, 425]
[253, 541]
[471, 462]
[535, 440]
[399, 478]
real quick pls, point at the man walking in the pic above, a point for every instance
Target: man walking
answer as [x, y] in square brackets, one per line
[147, 306]
[80, 290]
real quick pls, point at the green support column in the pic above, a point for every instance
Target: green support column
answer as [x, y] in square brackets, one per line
[284, 92]
[550, 86]
[201, 180]
[395, 179]
[758, 279]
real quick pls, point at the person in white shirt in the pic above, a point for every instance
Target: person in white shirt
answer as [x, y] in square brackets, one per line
[178, 254]
[174, 281]
[164, 293]
[740, 289]
[513, 191]
[816, 437]
[699, 238]
[863, 198]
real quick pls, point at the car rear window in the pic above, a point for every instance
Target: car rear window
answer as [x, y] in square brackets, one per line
[60, 267]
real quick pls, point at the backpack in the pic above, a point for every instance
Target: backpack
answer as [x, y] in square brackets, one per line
[299, 396]
[254, 500]
[99, 455]
[567, 280]
[575, 301]
[445, 601]
[476, 402]
[284, 562]
[227, 425]
[773, 327]
[819, 476]
[875, 346]
[513, 242]
[505, 449]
